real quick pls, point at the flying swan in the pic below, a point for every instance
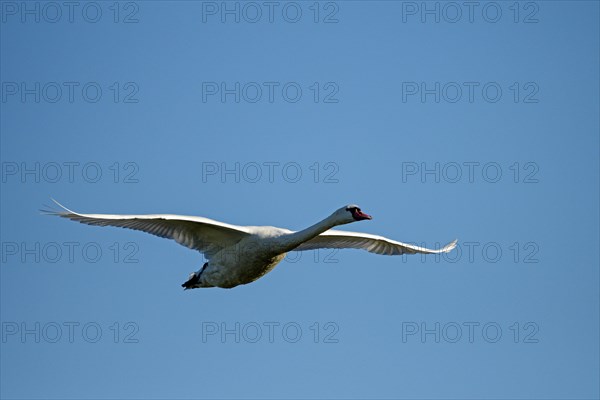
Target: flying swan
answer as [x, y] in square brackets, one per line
[238, 255]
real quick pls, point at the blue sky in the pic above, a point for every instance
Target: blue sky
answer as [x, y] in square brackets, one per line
[481, 126]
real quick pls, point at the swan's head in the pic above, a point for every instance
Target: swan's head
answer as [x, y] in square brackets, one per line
[350, 213]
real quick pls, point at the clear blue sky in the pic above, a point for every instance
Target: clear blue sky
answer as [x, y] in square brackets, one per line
[482, 127]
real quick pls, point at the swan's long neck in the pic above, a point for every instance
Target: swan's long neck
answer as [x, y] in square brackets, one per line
[297, 238]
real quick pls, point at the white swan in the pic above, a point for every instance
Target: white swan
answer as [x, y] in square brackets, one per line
[238, 255]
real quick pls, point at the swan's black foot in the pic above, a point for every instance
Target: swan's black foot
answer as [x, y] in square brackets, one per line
[194, 279]
[190, 283]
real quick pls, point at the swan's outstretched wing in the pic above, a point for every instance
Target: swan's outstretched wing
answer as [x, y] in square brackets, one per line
[198, 233]
[333, 239]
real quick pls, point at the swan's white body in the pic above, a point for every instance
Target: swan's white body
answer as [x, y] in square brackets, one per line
[241, 254]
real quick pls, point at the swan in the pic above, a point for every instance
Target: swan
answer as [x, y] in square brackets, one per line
[238, 255]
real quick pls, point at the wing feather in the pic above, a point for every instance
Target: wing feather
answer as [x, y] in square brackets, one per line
[198, 233]
[333, 239]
